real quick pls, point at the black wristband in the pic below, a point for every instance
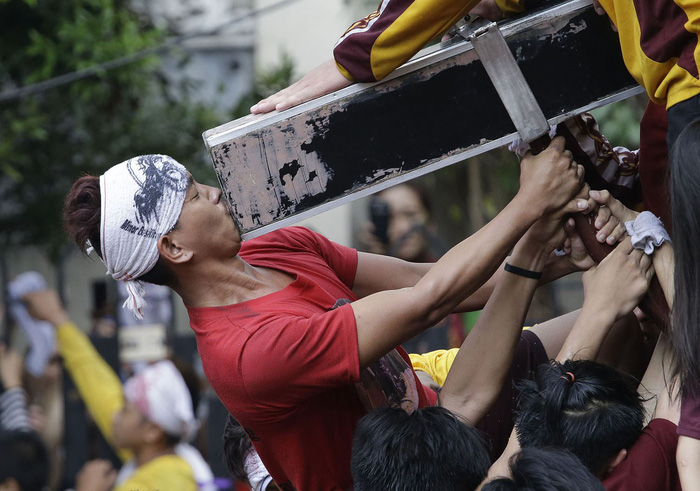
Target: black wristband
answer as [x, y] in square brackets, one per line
[523, 272]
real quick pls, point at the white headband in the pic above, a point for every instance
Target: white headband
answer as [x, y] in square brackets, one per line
[160, 393]
[141, 201]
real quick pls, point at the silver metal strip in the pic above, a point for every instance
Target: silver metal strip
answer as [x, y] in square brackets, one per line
[426, 57]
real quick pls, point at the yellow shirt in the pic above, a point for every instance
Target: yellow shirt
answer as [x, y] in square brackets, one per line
[436, 363]
[660, 45]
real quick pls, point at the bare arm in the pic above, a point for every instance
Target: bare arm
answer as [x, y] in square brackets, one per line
[386, 319]
[476, 376]
[376, 273]
[662, 257]
[611, 290]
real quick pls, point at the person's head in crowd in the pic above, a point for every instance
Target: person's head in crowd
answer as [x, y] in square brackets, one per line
[241, 459]
[157, 412]
[408, 221]
[148, 220]
[545, 469]
[684, 164]
[24, 461]
[588, 408]
[428, 449]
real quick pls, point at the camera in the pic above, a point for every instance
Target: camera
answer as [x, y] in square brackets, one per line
[379, 215]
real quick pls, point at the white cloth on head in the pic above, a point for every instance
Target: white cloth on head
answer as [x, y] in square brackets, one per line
[141, 201]
[40, 334]
[647, 232]
[258, 476]
[160, 393]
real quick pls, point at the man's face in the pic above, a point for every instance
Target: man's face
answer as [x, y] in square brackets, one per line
[205, 225]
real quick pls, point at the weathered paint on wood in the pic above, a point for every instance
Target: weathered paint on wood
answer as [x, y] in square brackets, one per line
[439, 109]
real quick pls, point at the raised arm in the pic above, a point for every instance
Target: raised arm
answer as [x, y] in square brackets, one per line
[483, 362]
[611, 290]
[663, 256]
[98, 385]
[376, 45]
[386, 319]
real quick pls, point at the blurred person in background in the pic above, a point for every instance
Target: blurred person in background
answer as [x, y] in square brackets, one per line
[401, 225]
[24, 459]
[146, 420]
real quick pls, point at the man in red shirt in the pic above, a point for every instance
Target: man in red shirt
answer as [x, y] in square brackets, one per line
[279, 355]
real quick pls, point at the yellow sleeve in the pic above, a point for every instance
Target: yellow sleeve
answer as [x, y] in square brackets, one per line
[375, 46]
[437, 363]
[97, 384]
[511, 7]
[169, 472]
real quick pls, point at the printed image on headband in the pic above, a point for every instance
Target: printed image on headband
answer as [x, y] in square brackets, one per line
[161, 181]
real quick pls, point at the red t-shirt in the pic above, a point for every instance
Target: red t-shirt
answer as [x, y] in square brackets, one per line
[650, 463]
[284, 364]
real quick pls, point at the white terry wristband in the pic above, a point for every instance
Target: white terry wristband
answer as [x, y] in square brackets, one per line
[647, 232]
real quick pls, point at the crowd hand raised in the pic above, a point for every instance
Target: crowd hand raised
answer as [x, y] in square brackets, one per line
[610, 228]
[11, 363]
[551, 231]
[45, 305]
[574, 249]
[617, 209]
[96, 475]
[551, 179]
[617, 284]
[322, 80]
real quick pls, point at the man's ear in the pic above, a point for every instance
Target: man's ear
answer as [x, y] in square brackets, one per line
[171, 250]
[617, 460]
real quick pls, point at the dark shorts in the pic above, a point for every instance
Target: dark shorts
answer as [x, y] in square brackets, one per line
[498, 423]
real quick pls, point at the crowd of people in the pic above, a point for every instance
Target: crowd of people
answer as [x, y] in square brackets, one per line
[301, 338]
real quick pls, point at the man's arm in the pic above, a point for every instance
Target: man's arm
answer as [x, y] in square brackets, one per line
[663, 256]
[376, 45]
[611, 290]
[98, 385]
[482, 364]
[386, 319]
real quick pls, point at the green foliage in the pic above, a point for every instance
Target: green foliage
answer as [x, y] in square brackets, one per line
[619, 122]
[51, 138]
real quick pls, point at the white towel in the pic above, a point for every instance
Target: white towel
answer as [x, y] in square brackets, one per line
[647, 232]
[141, 201]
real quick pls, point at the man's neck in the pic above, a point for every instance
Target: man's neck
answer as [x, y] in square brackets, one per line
[220, 283]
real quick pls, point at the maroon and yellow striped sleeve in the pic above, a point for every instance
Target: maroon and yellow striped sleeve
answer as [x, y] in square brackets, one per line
[375, 46]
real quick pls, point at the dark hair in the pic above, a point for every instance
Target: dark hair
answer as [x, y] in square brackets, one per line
[420, 191]
[25, 459]
[588, 408]
[237, 445]
[427, 449]
[81, 219]
[546, 469]
[684, 164]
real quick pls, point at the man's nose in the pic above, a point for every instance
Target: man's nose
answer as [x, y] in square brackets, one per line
[214, 194]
